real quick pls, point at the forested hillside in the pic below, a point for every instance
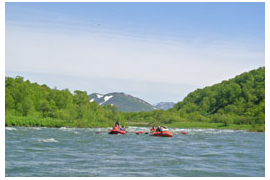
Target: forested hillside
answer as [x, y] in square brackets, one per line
[240, 100]
[25, 99]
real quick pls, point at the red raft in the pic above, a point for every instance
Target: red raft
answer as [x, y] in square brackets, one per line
[116, 130]
[162, 133]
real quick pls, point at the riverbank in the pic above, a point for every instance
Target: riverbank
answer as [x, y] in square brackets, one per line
[51, 122]
[205, 125]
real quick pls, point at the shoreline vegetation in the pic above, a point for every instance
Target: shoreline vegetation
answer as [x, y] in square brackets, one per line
[58, 123]
[237, 103]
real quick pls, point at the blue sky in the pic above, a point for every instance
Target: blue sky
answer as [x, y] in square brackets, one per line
[155, 51]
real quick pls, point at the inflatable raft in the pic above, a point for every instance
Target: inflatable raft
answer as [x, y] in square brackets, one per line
[116, 130]
[164, 133]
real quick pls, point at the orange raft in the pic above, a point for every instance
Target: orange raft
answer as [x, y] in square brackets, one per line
[116, 130]
[162, 133]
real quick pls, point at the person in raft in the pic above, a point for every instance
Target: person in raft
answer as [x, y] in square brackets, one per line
[123, 128]
[153, 129]
[117, 123]
[158, 129]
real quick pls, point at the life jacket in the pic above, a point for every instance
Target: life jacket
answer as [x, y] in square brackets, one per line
[115, 127]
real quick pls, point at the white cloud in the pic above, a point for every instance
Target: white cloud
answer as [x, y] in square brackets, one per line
[126, 57]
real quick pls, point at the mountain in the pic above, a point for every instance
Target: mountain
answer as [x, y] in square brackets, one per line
[164, 105]
[124, 102]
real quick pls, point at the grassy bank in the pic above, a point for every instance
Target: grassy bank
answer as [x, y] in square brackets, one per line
[51, 122]
[257, 128]
[29, 121]
[32, 121]
[138, 124]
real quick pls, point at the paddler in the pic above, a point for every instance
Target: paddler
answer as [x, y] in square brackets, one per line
[153, 129]
[117, 123]
[123, 128]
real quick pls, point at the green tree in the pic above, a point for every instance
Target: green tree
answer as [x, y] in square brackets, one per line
[9, 101]
[45, 108]
[27, 105]
[81, 100]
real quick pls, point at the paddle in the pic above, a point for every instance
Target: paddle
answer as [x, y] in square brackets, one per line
[142, 132]
[177, 132]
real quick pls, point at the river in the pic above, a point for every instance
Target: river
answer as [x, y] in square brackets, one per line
[53, 152]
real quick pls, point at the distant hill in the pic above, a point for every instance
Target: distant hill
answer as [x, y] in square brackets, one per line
[164, 105]
[240, 100]
[124, 102]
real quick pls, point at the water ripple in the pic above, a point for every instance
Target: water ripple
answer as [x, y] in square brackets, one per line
[81, 152]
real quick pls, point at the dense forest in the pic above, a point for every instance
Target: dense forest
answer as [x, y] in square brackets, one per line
[51, 107]
[239, 101]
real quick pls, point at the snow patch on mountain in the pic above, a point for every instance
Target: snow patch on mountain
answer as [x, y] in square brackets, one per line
[99, 95]
[92, 100]
[106, 98]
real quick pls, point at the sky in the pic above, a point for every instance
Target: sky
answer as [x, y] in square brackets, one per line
[158, 52]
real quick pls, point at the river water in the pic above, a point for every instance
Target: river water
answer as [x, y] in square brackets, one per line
[76, 152]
